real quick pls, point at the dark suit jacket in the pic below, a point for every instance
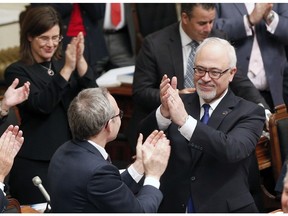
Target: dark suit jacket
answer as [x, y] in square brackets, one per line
[81, 180]
[214, 163]
[272, 46]
[3, 201]
[43, 116]
[161, 53]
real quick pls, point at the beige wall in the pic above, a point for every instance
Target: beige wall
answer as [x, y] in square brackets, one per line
[9, 26]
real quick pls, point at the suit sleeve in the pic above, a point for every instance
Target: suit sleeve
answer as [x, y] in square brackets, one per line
[110, 194]
[235, 139]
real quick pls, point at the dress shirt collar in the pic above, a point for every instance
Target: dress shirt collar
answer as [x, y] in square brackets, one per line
[214, 103]
[100, 149]
[185, 39]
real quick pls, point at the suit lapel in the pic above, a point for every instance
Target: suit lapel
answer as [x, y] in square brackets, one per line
[224, 107]
[175, 48]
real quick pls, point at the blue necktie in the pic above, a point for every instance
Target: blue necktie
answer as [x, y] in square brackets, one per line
[188, 82]
[204, 119]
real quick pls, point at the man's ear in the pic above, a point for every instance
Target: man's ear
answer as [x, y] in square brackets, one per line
[232, 72]
[184, 18]
[108, 126]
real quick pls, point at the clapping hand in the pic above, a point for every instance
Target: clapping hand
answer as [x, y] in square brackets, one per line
[14, 96]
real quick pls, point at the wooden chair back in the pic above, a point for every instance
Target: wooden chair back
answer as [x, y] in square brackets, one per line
[278, 128]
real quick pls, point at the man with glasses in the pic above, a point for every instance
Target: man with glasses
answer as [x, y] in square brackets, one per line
[213, 136]
[81, 177]
[167, 52]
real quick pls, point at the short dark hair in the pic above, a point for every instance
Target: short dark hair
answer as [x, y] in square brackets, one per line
[36, 21]
[188, 7]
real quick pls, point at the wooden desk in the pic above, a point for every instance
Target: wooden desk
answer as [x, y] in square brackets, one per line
[28, 209]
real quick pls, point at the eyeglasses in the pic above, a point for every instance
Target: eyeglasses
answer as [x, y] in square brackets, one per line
[45, 39]
[213, 73]
[120, 114]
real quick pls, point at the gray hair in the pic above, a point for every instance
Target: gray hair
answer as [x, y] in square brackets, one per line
[89, 112]
[230, 50]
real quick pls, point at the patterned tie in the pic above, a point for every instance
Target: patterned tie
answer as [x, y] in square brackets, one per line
[188, 82]
[204, 119]
[115, 13]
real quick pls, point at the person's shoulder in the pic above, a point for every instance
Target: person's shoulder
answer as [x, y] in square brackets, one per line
[164, 33]
[249, 106]
[17, 64]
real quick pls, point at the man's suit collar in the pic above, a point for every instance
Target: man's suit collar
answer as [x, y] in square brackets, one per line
[86, 145]
[224, 107]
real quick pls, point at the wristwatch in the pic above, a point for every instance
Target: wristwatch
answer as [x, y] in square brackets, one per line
[270, 17]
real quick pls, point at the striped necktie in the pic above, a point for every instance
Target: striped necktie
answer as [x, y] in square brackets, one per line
[189, 80]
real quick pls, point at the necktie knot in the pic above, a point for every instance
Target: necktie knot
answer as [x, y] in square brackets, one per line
[194, 44]
[205, 117]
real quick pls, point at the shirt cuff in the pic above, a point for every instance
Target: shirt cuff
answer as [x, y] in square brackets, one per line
[134, 174]
[188, 128]
[249, 31]
[163, 123]
[152, 181]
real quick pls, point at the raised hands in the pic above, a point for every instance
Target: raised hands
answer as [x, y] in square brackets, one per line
[260, 11]
[14, 96]
[171, 104]
[155, 155]
[10, 143]
[152, 156]
[74, 57]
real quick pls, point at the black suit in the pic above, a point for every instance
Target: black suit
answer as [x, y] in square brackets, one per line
[81, 180]
[43, 122]
[214, 163]
[161, 53]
